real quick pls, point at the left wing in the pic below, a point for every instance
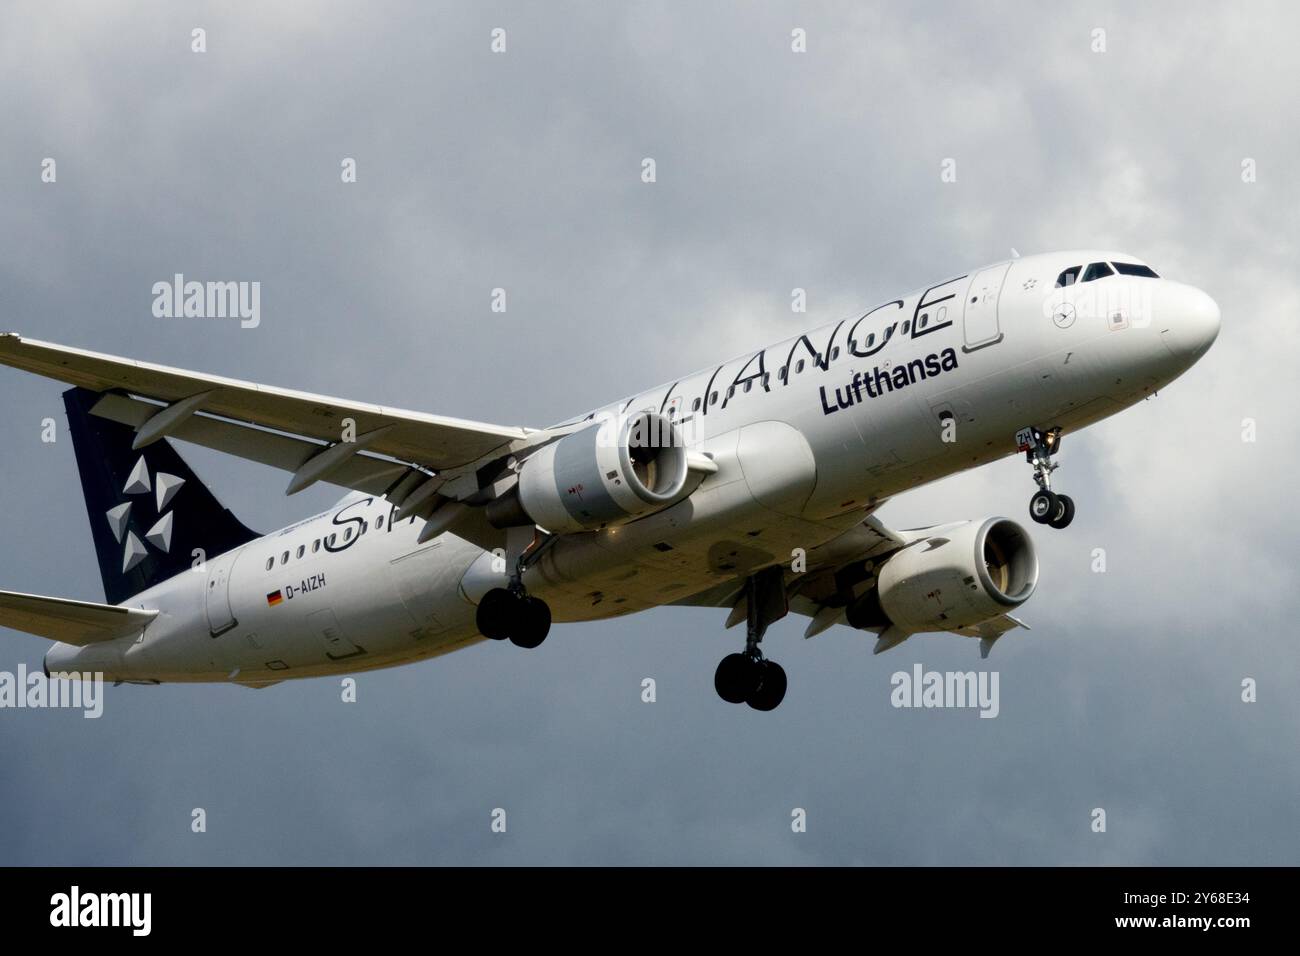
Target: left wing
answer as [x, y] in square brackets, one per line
[391, 450]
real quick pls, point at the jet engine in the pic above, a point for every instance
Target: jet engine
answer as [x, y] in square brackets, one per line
[952, 579]
[606, 474]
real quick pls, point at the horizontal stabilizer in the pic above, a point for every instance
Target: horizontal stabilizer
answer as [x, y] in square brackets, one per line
[72, 622]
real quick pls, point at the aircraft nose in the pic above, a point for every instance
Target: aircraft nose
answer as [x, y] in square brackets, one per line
[1192, 319]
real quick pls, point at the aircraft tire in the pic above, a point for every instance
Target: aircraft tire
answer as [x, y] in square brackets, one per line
[531, 624]
[494, 613]
[1043, 506]
[1065, 515]
[736, 678]
[771, 687]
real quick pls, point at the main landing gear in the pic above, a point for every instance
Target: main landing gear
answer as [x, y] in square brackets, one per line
[510, 612]
[748, 677]
[1046, 506]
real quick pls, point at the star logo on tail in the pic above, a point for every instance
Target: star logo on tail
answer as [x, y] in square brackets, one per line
[164, 488]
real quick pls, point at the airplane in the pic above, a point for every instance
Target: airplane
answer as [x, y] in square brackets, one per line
[751, 485]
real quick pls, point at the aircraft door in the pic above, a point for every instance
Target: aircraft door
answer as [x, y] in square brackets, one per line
[221, 616]
[980, 323]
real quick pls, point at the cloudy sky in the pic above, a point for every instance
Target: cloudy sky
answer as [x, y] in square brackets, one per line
[775, 170]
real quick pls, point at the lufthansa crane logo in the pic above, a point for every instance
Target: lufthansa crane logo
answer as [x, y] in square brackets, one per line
[164, 488]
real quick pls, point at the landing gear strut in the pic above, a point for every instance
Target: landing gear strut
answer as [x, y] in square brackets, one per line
[1046, 506]
[748, 677]
[510, 612]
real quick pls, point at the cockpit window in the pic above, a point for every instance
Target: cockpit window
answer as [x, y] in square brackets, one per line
[1134, 269]
[1098, 270]
[1068, 277]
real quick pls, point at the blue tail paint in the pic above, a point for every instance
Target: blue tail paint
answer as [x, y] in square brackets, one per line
[150, 516]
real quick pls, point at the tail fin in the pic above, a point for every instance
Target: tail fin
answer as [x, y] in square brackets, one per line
[148, 511]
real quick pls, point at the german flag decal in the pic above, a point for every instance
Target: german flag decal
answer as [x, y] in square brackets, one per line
[274, 598]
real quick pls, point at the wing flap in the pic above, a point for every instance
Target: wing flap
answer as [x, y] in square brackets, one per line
[72, 622]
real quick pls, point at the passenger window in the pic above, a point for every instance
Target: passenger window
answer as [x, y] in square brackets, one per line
[749, 383]
[1098, 270]
[835, 353]
[782, 372]
[713, 398]
[315, 546]
[270, 562]
[1134, 269]
[1068, 277]
[329, 542]
[379, 522]
[798, 366]
[302, 549]
[731, 390]
[695, 405]
[284, 558]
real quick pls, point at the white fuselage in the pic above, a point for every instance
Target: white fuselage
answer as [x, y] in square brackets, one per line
[808, 435]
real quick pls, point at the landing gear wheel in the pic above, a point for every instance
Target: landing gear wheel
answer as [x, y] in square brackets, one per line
[531, 624]
[771, 687]
[1065, 514]
[494, 614]
[1044, 506]
[736, 678]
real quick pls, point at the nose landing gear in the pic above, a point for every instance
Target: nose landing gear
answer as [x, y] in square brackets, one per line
[748, 677]
[1046, 506]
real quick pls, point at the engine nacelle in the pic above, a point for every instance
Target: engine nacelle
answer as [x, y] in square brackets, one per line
[954, 579]
[606, 474]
